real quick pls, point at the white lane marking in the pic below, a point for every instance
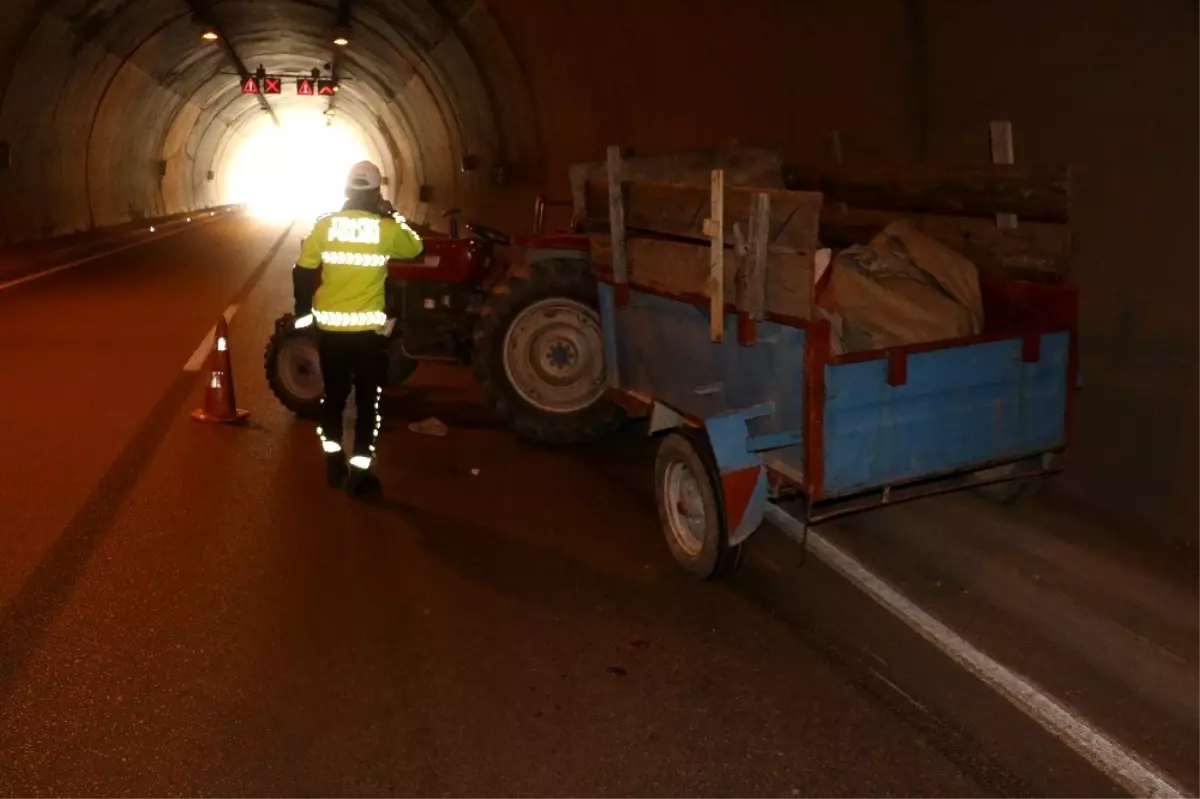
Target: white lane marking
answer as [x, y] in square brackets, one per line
[201, 354]
[1118, 764]
[94, 257]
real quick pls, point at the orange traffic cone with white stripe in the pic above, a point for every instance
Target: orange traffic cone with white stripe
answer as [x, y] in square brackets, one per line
[220, 402]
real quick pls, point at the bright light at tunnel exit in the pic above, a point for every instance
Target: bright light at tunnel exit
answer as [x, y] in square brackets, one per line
[296, 170]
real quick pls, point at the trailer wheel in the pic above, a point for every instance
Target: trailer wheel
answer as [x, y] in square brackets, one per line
[689, 507]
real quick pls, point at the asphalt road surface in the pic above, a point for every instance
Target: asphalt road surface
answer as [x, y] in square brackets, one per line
[187, 609]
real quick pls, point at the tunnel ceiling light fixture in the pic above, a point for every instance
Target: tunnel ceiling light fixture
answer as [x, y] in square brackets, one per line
[341, 41]
[210, 35]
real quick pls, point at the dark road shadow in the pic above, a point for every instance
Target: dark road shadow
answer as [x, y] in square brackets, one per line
[32, 612]
[625, 459]
[416, 403]
[527, 571]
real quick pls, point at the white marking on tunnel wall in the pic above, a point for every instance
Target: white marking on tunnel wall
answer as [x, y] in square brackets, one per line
[1118, 764]
[201, 354]
[89, 258]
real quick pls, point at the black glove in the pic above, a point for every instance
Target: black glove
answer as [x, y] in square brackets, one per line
[304, 286]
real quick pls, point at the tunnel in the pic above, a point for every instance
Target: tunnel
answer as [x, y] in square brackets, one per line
[617, 542]
[117, 110]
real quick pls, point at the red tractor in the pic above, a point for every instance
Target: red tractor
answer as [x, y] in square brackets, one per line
[530, 328]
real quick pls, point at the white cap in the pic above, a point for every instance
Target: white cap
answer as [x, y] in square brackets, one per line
[364, 176]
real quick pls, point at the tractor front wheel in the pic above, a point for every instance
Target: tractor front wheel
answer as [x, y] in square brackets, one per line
[293, 368]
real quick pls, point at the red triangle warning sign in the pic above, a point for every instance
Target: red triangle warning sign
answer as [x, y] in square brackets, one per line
[304, 87]
[250, 86]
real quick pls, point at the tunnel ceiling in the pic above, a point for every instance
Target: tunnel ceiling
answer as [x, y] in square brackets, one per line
[128, 110]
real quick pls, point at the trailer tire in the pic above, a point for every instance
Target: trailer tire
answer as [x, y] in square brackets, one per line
[690, 507]
[554, 306]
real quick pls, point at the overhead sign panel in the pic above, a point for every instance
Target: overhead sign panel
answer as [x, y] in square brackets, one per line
[273, 84]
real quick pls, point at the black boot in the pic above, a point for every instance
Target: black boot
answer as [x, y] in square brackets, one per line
[336, 470]
[362, 482]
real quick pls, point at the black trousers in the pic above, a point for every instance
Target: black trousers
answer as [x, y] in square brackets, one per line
[359, 361]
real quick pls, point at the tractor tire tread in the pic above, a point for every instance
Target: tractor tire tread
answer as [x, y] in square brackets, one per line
[553, 277]
[303, 410]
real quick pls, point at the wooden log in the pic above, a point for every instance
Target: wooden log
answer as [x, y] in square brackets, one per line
[1035, 251]
[676, 209]
[682, 269]
[743, 166]
[1035, 193]
[715, 230]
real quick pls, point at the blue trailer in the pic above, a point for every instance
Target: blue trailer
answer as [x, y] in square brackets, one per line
[772, 413]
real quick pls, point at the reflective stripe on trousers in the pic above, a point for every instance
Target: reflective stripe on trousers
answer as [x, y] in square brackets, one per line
[330, 447]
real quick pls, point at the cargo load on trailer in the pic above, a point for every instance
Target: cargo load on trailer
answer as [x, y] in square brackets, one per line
[904, 287]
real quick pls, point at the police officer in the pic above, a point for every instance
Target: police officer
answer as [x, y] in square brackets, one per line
[347, 254]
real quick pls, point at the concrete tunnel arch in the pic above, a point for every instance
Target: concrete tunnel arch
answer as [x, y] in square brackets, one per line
[112, 110]
[95, 88]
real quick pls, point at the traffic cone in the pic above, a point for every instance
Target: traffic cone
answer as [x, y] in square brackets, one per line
[220, 404]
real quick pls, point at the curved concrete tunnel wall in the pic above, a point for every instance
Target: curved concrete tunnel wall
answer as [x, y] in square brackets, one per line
[91, 97]
[94, 95]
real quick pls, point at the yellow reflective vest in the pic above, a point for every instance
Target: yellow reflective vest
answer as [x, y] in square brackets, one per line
[352, 250]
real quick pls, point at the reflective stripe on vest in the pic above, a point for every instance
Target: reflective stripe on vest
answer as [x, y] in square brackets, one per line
[354, 259]
[340, 319]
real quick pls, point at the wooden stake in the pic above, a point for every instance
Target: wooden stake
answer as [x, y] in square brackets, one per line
[756, 261]
[616, 220]
[1002, 153]
[714, 228]
[833, 147]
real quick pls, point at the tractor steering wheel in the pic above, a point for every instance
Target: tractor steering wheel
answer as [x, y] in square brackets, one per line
[489, 235]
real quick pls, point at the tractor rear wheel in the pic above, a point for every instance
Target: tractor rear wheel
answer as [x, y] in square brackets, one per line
[539, 355]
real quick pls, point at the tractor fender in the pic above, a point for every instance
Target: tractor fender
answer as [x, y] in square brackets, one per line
[532, 256]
